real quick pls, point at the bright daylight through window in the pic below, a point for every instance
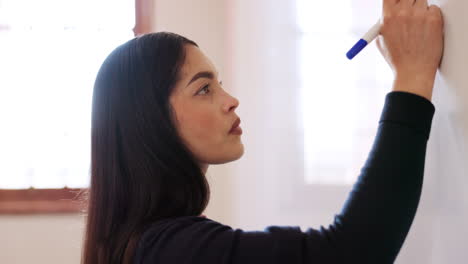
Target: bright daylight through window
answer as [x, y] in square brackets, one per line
[341, 99]
[50, 52]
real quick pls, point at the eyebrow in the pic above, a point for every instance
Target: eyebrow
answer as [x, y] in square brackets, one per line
[203, 74]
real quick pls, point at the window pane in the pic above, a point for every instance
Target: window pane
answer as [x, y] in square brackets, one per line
[341, 99]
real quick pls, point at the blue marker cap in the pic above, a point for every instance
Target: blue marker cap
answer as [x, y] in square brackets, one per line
[371, 34]
[356, 48]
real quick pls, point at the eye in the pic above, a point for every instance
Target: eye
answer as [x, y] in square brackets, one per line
[204, 88]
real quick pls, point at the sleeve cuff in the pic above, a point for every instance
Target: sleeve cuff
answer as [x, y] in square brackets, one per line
[410, 110]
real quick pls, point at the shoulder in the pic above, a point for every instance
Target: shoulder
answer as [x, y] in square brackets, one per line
[182, 239]
[194, 239]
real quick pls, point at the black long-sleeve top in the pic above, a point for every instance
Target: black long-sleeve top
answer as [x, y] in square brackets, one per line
[371, 227]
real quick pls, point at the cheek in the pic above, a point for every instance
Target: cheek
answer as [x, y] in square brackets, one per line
[200, 127]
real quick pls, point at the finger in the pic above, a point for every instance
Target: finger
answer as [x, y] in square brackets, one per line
[406, 3]
[388, 5]
[377, 42]
[421, 4]
[436, 11]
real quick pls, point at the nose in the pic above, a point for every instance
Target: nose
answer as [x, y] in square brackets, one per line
[232, 104]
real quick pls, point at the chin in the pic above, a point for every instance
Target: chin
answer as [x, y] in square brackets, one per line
[240, 153]
[233, 155]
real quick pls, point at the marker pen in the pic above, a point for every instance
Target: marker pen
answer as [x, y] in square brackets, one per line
[373, 32]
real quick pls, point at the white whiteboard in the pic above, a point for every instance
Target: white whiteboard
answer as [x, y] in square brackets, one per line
[445, 193]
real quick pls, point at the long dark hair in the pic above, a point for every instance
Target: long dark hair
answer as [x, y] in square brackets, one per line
[141, 171]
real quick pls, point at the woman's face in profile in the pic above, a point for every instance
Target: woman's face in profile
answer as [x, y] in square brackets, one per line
[205, 111]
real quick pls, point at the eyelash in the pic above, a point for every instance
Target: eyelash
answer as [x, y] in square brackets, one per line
[206, 86]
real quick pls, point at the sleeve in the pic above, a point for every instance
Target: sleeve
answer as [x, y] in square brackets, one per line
[195, 242]
[381, 206]
[371, 227]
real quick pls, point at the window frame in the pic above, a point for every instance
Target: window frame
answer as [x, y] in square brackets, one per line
[40, 201]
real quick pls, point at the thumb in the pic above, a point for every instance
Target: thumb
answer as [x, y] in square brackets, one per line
[379, 45]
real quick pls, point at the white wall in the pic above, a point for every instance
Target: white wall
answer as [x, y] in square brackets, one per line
[40, 239]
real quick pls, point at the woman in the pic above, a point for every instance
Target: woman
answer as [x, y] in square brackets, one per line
[160, 116]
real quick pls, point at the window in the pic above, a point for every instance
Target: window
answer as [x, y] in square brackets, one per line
[341, 105]
[50, 53]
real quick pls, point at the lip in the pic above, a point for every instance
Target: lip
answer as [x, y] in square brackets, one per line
[236, 131]
[235, 125]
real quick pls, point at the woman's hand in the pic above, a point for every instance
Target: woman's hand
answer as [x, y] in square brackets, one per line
[411, 41]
